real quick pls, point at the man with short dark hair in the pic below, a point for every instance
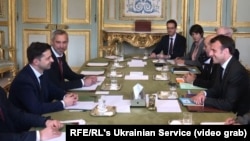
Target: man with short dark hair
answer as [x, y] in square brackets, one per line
[230, 91]
[32, 91]
[172, 45]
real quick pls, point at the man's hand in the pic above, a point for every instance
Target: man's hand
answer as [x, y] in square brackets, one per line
[230, 121]
[189, 77]
[70, 99]
[199, 98]
[49, 133]
[179, 61]
[152, 55]
[54, 124]
[89, 80]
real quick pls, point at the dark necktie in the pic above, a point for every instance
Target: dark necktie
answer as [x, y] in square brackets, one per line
[1, 114]
[170, 51]
[41, 81]
[60, 63]
[221, 73]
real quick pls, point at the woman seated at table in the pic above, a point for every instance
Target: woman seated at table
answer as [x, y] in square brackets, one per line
[196, 31]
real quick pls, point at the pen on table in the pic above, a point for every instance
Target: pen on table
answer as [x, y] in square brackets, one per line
[78, 110]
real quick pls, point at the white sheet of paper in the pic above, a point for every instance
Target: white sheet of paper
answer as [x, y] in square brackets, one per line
[136, 73]
[102, 92]
[97, 64]
[128, 77]
[168, 106]
[60, 138]
[111, 100]
[133, 64]
[123, 106]
[92, 72]
[212, 123]
[82, 105]
[93, 87]
[136, 63]
[111, 57]
[79, 121]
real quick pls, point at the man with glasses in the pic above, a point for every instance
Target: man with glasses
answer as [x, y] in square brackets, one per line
[228, 31]
[172, 45]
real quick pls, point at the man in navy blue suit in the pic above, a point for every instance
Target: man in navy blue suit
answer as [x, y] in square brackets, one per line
[230, 91]
[15, 123]
[32, 91]
[172, 45]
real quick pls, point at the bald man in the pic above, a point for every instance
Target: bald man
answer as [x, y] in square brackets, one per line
[228, 31]
[208, 69]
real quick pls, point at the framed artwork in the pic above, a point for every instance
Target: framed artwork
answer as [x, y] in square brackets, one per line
[142, 9]
[2, 9]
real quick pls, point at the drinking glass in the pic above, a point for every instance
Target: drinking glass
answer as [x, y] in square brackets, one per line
[187, 118]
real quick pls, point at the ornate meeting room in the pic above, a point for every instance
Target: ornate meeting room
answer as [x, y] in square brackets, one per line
[136, 62]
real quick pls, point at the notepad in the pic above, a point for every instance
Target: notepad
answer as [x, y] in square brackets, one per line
[97, 64]
[187, 102]
[188, 86]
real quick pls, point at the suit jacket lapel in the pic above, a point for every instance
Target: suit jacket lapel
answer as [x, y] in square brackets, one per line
[35, 81]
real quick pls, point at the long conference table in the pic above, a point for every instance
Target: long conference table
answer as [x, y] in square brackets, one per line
[137, 115]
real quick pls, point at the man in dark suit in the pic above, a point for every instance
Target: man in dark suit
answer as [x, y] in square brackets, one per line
[60, 73]
[173, 45]
[230, 92]
[14, 123]
[208, 69]
[32, 91]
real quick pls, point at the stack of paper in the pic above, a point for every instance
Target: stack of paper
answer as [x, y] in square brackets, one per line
[77, 121]
[93, 87]
[96, 64]
[168, 106]
[136, 76]
[136, 63]
[82, 105]
[92, 72]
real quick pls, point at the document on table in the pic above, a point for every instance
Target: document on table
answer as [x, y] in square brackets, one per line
[212, 123]
[122, 106]
[136, 63]
[93, 87]
[82, 105]
[136, 76]
[188, 86]
[96, 64]
[75, 121]
[169, 106]
[60, 138]
[92, 72]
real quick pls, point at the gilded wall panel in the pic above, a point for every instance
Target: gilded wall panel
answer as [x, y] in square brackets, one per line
[36, 11]
[203, 7]
[76, 12]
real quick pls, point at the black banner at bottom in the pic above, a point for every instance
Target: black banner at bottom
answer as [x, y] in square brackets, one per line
[194, 132]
